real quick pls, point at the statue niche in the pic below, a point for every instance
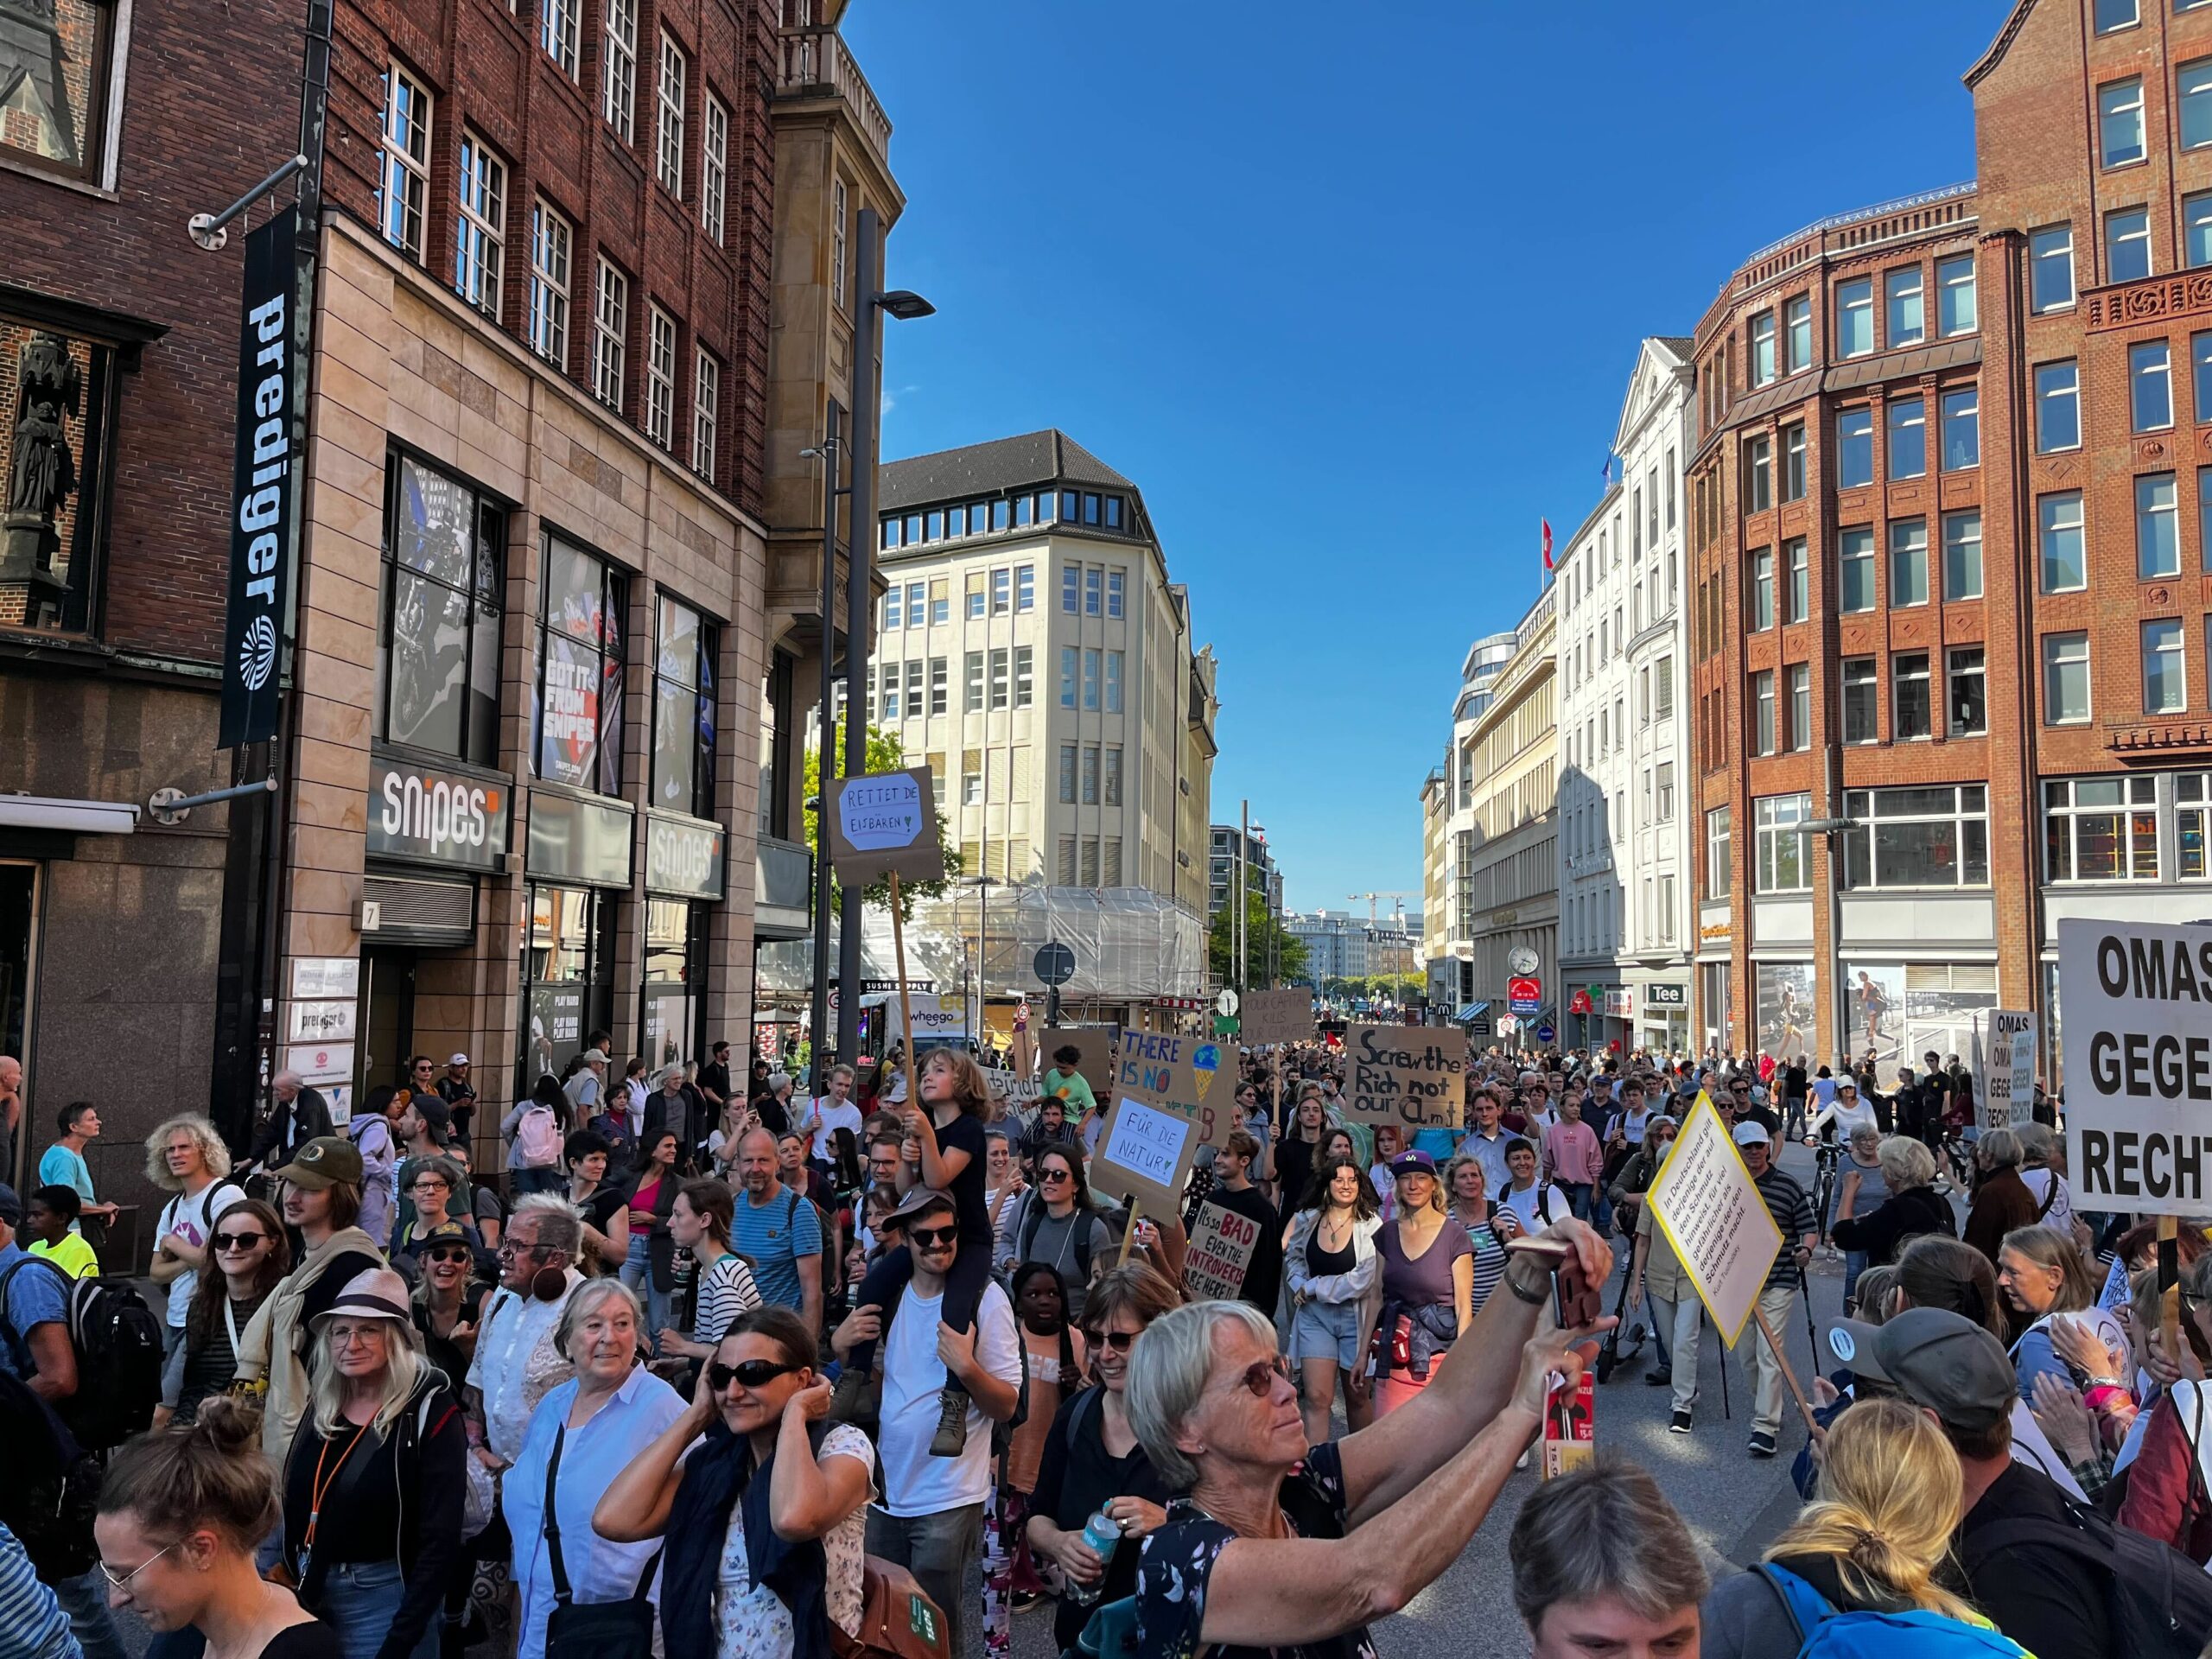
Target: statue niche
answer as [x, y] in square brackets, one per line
[41, 472]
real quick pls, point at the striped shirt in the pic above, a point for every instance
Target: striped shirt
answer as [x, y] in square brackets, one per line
[726, 1290]
[1792, 1210]
[36, 1625]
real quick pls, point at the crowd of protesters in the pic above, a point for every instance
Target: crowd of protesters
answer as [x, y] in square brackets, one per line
[720, 1362]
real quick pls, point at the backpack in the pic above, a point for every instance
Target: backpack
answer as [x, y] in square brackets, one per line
[1032, 1217]
[117, 1343]
[2161, 1601]
[537, 1139]
[1825, 1632]
[53, 1487]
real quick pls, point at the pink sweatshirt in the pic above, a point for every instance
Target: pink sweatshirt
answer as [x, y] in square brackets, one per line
[1571, 1153]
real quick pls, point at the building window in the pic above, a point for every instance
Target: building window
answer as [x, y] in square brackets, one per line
[1070, 588]
[1783, 866]
[973, 703]
[2127, 245]
[2192, 792]
[1797, 570]
[706, 404]
[1663, 810]
[976, 595]
[2150, 385]
[1854, 447]
[1798, 680]
[971, 778]
[683, 710]
[619, 84]
[1919, 837]
[1906, 308]
[1908, 562]
[1717, 861]
[559, 24]
[1956, 312]
[2100, 828]
[1861, 693]
[1854, 317]
[1967, 715]
[668, 128]
[940, 690]
[1762, 364]
[549, 285]
[1908, 438]
[660, 379]
[2065, 555]
[1094, 588]
[1001, 590]
[1758, 475]
[1962, 555]
[2120, 122]
[714, 168]
[1797, 330]
[481, 235]
[1793, 463]
[1855, 561]
[1025, 588]
[1067, 774]
[1002, 684]
[580, 657]
[2058, 407]
[1762, 587]
[2165, 673]
[1117, 582]
[1762, 733]
[1090, 774]
[610, 323]
[1089, 680]
[2193, 94]
[54, 117]
[1112, 792]
[839, 234]
[1113, 682]
[1024, 676]
[2158, 540]
[1662, 689]
[404, 187]
[2066, 679]
[2050, 268]
[2116, 14]
[940, 596]
[1910, 709]
[1961, 429]
[438, 638]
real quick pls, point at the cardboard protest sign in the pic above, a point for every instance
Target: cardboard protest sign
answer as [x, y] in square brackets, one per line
[885, 824]
[1096, 1044]
[1221, 1243]
[1184, 1074]
[2138, 1001]
[1020, 1094]
[1707, 1203]
[1412, 1075]
[1144, 1155]
[2012, 1077]
[1277, 1017]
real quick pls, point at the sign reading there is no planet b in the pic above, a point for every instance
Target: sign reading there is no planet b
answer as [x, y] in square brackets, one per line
[885, 824]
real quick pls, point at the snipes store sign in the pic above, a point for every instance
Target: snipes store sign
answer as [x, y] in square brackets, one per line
[260, 489]
[428, 815]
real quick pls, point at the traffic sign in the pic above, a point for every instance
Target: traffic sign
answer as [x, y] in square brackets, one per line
[1525, 994]
[1544, 1033]
[1225, 1004]
[1224, 1025]
[1055, 963]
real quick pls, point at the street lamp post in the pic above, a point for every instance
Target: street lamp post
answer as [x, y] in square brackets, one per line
[827, 452]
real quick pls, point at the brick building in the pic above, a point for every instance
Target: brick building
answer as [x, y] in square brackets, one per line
[1949, 527]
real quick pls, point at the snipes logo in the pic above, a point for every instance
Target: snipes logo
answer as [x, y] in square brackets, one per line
[257, 653]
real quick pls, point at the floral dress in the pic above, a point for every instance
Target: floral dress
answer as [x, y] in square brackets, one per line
[750, 1621]
[1178, 1561]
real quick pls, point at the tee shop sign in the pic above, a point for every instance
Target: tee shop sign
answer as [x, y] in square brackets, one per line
[2136, 998]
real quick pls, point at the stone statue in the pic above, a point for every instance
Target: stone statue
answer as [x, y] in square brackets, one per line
[41, 472]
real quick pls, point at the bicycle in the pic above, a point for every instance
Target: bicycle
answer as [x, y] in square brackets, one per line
[1827, 1155]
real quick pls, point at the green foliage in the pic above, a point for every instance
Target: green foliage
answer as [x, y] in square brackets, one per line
[885, 753]
[1259, 929]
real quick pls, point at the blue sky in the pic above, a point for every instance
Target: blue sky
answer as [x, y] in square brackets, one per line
[1352, 293]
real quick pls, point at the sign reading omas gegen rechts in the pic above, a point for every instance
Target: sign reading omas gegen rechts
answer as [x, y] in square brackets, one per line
[2136, 1000]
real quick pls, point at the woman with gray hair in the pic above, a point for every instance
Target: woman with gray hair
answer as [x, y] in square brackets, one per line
[1273, 1543]
[1914, 1207]
[2001, 1200]
[1864, 1189]
[583, 1435]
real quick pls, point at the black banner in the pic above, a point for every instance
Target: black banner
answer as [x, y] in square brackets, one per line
[261, 487]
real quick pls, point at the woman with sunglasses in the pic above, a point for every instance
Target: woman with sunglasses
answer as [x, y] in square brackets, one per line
[249, 1254]
[1092, 1460]
[181, 1510]
[765, 1521]
[1059, 1224]
[447, 1303]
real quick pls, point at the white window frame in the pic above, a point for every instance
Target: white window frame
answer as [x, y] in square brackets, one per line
[1773, 818]
[1958, 305]
[714, 168]
[552, 249]
[839, 232]
[559, 25]
[1952, 674]
[2050, 250]
[2118, 100]
[618, 80]
[480, 227]
[1860, 684]
[2173, 641]
[2057, 514]
[668, 115]
[660, 377]
[706, 411]
[1903, 289]
[610, 324]
[2061, 652]
[2135, 799]
[2193, 97]
[1901, 676]
[404, 175]
[1967, 815]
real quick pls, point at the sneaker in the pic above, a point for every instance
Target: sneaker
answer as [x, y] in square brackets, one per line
[1658, 1379]
[1021, 1600]
[1680, 1423]
[1762, 1445]
[951, 1436]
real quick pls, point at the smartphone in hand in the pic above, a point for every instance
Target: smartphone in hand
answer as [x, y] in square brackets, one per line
[1574, 1303]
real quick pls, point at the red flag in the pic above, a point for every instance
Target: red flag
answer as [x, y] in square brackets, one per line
[1548, 542]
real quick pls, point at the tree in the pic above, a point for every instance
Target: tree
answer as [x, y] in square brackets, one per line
[1260, 929]
[885, 753]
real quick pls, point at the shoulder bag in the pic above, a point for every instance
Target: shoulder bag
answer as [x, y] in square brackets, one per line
[592, 1630]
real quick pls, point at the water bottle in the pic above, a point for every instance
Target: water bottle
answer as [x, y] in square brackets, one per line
[1102, 1532]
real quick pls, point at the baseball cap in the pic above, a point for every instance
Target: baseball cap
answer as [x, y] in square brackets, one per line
[434, 1112]
[12, 1207]
[918, 1200]
[325, 1161]
[458, 1060]
[1413, 1160]
[1936, 1358]
[594, 1057]
[1752, 1133]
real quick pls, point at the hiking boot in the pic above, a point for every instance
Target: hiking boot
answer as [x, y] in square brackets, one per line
[1658, 1379]
[1762, 1445]
[849, 1400]
[1681, 1424]
[951, 1436]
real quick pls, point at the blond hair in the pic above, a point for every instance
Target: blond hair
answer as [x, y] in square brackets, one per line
[404, 1366]
[212, 1151]
[1888, 1500]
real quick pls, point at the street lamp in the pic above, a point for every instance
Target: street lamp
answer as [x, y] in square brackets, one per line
[905, 305]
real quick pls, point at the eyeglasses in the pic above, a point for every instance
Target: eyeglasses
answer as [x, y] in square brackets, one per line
[925, 1237]
[1119, 1341]
[451, 1252]
[1259, 1378]
[237, 1240]
[124, 1583]
[426, 1185]
[751, 1373]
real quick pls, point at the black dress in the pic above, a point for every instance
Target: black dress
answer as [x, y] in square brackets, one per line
[1293, 1168]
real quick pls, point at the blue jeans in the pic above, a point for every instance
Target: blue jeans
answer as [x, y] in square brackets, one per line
[1577, 1198]
[638, 1274]
[359, 1601]
[547, 1179]
[1854, 1263]
[84, 1599]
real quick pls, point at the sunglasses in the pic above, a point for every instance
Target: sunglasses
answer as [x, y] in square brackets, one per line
[1044, 1175]
[237, 1240]
[1258, 1379]
[925, 1237]
[751, 1373]
[450, 1253]
[1119, 1341]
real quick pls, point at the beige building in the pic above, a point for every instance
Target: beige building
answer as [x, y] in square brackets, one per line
[1435, 915]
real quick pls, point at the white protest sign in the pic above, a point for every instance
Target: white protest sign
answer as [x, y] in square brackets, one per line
[1144, 1155]
[2136, 998]
[2008, 1070]
[1277, 1017]
[1710, 1209]
[1221, 1243]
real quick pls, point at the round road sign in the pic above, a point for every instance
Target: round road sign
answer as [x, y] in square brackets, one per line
[1544, 1033]
[1055, 963]
[1225, 1004]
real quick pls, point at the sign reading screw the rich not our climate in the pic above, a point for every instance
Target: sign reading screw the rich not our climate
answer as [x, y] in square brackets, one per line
[1412, 1075]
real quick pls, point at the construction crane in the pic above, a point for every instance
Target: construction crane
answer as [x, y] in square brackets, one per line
[1397, 909]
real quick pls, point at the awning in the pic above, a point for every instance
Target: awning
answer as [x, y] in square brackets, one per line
[75, 817]
[1473, 1010]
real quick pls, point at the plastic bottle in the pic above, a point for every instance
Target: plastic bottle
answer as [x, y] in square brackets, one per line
[1102, 1532]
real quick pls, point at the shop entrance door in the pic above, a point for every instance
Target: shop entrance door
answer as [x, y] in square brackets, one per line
[387, 1019]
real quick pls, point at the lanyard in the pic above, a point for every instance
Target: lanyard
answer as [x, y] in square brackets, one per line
[320, 1488]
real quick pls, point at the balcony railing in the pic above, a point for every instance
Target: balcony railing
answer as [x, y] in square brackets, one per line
[816, 61]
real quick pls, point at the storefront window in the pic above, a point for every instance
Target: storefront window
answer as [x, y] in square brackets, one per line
[2192, 801]
[1898, 1010]
[1936, 837]
[1783, 866]
[683, 711]
[2100, 828]
[1785, 1008]
[438, 640]
[675, 965]
[579, 734]
[1717, 994]
[567, 976]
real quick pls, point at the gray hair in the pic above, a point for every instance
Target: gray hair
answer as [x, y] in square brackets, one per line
[584, 1299]
[779, 1080]
[1604, 1531]
[1999, 1149]
[560, 1223]
[2036, 1143]
[1169, 1368]
[1905, 1162]
[1866, 1135]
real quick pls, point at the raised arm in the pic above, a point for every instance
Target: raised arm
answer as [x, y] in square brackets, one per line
[806, 1498]
[635, 1507]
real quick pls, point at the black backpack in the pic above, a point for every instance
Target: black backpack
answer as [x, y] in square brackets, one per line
[53, 1487]
[2161, 1601]
[118, 1342]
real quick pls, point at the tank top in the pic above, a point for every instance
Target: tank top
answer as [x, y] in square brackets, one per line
[1322, 1263]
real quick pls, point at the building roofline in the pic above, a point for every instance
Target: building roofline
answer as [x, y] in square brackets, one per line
[1997, 47]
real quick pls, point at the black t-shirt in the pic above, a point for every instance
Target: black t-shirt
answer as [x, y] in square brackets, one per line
[342, 1270]
[443, 1351]
[359, 1518]
[1293, 1168]
[1264, 1279]
[314, 1640]
[965, 1133]
[714, 1077]
[2048, 1600]
[1073, 1481]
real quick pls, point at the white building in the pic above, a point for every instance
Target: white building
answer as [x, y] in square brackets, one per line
[1340, 945]
[1626, 938]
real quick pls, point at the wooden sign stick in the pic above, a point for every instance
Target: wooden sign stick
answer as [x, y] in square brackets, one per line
[905, 1007]
[1781, 1358]
[2168, 1287]
[1129, 1236]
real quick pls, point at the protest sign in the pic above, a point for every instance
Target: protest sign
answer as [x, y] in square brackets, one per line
[2007, 1070]
[1180, 1073]
[1144, 1155]
[1020, 1094]
[1221, 1243]
[1095, 1044]
[1412, 1075]
[2136, 998]
[1707, 1203]
[885, 824]
[1278, 1017]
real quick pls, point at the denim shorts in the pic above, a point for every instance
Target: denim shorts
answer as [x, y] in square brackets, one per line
[1326, 1331]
